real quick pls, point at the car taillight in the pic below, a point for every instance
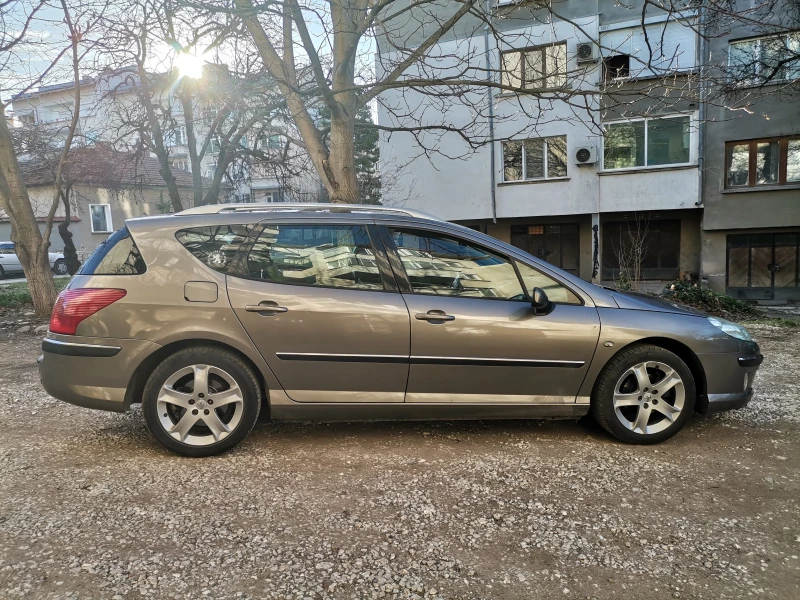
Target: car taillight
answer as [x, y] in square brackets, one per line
[73, 306]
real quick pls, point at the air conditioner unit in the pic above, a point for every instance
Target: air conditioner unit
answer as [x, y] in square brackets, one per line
[586, 155]
[586, 53]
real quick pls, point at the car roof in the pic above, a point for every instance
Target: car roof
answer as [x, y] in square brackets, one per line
[296, 207]
[246, 213]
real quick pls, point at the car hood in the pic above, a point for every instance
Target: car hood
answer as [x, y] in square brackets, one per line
[638, 301]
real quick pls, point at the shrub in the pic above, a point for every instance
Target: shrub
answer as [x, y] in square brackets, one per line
[709, 300]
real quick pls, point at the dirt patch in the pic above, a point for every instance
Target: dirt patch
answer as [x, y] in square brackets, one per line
[92, 507]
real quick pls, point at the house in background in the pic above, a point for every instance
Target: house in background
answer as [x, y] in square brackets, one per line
[560, 189]
[110, 98]
[105, 187]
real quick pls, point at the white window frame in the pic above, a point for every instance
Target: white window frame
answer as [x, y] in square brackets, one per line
[525, 162]
[107, 208]
[692, 142]
[758, 41]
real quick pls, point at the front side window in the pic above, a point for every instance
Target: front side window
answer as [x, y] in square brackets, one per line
[544, 67]
[7, 249]
[765, 60]
[765, 162]
[647, 142]
[538, 158]
[339, 256]
[101, 218]
[441, 265]
[556, 292]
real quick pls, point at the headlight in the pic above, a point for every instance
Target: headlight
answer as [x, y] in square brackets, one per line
[732, 329]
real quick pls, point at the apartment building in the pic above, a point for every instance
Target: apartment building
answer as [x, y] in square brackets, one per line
[751, 175]
[576, 186]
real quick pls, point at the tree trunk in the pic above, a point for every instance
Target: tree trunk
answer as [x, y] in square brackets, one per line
[340, 175]
[70, 254]
[31, 250]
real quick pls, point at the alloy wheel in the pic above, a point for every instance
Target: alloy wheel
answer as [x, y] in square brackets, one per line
[200, 405]
[649, 397]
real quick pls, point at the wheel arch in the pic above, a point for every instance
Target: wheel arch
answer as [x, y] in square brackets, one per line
[681, 350]
[133, 394]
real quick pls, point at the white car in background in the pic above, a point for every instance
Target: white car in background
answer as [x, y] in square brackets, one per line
[9, 262]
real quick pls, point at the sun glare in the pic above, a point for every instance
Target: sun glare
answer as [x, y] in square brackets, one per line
[190, 65]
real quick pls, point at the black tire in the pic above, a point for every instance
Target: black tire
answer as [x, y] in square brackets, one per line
[217, 358]
[607, 416]
[60, 267]
[2, 272]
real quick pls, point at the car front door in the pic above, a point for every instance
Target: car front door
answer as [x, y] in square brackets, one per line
[323, 309]
[474, 334]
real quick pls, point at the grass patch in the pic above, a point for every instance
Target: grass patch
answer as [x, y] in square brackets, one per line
[776, 321]
[17, 295]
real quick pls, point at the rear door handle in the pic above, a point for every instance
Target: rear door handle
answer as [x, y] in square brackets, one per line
[434, 316]
[266, 308]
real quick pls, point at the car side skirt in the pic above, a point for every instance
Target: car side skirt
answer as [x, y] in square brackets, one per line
[423, 412]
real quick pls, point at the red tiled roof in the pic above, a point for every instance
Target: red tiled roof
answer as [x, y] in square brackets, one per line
[104, 166]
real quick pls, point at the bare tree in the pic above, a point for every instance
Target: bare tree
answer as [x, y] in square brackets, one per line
[630, 251]
[442, 63]
[222, 115]
[32, 245]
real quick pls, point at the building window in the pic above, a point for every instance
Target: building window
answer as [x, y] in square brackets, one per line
[101, 218]
[544, 67]
[642, 248]
[765, 60]
[538, 158]
[752, 163]
[647, 143]
[616, 67]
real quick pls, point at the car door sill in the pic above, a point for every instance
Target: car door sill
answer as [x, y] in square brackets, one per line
[423, 411]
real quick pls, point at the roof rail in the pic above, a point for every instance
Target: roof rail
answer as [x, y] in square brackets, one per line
[210, 209]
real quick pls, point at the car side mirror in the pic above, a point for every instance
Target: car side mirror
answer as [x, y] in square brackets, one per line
[539, 301]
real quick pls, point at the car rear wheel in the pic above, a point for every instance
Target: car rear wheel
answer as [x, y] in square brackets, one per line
[645, 395]
[2, 272]
[201, 401]
[60, 267]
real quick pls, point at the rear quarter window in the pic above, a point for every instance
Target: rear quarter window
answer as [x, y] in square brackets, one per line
[214, 246]
[118, 255]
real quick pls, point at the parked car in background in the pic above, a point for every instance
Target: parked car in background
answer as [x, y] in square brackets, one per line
[9, 261]
[331, 312]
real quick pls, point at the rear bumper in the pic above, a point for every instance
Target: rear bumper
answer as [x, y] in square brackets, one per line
[729, 378]
[91, 372]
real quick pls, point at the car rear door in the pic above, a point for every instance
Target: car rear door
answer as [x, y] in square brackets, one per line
[323, 309]
[474, 335]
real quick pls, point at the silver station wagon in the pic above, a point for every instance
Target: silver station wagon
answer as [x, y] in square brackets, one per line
[331, 312]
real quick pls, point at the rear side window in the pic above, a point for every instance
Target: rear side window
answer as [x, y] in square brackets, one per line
[214, 246]
[339, 256]
[118, 255]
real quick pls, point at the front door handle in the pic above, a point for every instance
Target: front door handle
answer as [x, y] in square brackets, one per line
[266, 308]
[434, 316]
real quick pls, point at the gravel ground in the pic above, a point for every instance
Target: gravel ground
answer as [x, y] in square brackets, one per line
[92, 507]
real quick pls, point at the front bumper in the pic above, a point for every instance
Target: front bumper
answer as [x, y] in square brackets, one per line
[729, 378]
[91, 372]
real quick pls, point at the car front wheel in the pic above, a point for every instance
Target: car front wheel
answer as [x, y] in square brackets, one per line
[645, 395]
[201, 401]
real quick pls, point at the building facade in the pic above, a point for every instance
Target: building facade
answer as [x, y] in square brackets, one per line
[584, 186]
[642, 172]
[751, 175]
